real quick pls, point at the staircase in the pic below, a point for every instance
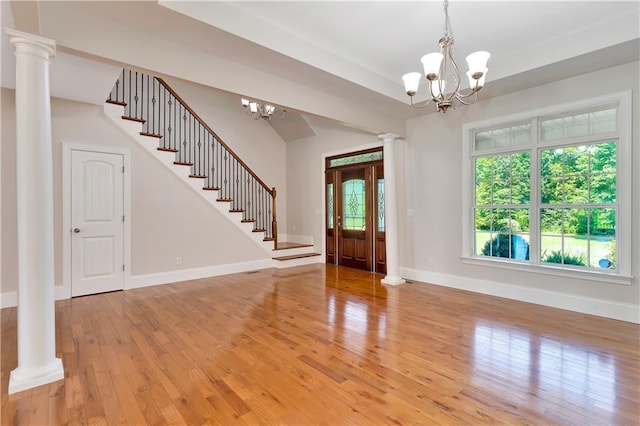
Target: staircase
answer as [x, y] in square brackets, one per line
[154, 115]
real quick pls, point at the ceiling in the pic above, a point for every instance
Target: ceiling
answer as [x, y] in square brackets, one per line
[335, 60]
[373, 43]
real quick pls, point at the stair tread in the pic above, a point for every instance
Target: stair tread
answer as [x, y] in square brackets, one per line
[121, 103]
[296, 256]
[153, 135]
[139, 120]
[283, 245]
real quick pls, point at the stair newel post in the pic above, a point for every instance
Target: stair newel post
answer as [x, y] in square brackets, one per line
[274, 222]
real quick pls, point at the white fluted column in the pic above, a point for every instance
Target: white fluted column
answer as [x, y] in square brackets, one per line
[37, 362]
[390, 211]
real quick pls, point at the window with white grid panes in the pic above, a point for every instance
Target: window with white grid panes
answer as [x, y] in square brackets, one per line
[546, 190]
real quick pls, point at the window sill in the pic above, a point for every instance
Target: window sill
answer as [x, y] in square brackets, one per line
[575, 273]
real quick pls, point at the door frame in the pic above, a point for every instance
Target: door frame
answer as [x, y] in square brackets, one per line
[323, 169]
[67, 148]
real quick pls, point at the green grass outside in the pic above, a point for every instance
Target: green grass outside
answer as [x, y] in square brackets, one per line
[573, 244]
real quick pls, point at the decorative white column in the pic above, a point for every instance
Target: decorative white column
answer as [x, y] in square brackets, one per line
[390, 211]
[37, 362]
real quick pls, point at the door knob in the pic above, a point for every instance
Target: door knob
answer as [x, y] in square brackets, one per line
[76, 230]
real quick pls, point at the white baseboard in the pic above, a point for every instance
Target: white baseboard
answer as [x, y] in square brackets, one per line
[147, 280]
[586, 305]
[8, 299]
[61, 292]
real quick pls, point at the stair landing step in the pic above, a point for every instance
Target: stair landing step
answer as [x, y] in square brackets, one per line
[296, 256]
[284, 245]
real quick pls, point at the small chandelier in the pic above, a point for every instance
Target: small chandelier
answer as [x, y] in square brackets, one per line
[443, 74]
[257, 110]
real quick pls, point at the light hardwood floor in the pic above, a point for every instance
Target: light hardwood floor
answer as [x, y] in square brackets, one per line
[320, 344]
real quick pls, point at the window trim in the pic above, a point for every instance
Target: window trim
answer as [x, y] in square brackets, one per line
[329, 167]
[623, 101]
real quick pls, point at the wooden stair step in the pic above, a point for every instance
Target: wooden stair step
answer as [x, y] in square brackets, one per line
[296, 256]
[281, 246]
[121, 103]
[286, 245]
[139, 120]
[152, 135]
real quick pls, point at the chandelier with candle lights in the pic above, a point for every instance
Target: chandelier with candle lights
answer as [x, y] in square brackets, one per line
[443, 74]
[258, 110]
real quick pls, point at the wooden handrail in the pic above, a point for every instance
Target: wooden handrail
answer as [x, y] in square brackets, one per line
[274, 222]
[209, 129]
[249, 195]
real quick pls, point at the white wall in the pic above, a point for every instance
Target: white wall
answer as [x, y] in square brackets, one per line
[255, 141]
[305, 177]
[433, 236]
[168, 219]
[175, 47]
[430, 184]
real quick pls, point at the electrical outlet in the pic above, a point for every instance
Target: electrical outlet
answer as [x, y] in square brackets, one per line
[178, 261]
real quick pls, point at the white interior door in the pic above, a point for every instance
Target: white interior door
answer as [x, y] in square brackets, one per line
[97, 222]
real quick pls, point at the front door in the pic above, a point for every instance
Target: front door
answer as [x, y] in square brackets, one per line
[354, 218]
[97, 222]
[355, 211]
